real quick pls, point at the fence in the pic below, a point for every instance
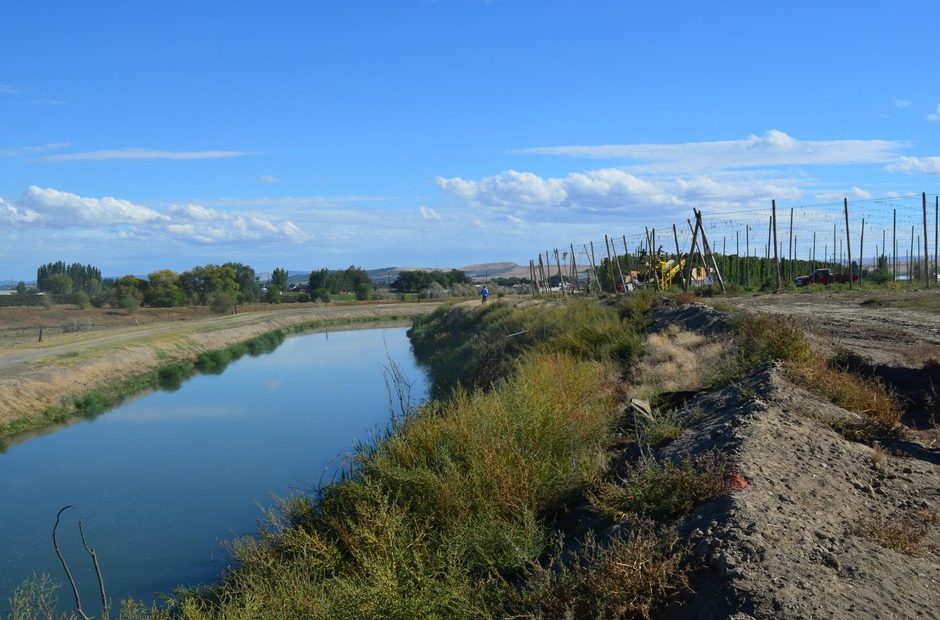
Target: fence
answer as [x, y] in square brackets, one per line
[884, 239]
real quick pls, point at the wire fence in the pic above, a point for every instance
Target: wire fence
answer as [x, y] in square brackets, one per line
[884, 239]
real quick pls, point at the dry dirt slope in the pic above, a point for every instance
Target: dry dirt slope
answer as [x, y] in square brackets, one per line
[798, 541]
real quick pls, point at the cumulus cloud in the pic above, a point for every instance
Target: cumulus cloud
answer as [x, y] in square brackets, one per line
[428, 213]
[925, 165]
[139, 154]
[63, 209]
[934, 116]
[11, 214]
[269, 179]
[49, 208]
[611, 190]
[208, 226]
[774, 148]
[901, 103]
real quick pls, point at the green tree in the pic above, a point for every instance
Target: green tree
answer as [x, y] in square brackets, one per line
[249, 287]
[279, 279]
[164, 290]
[363, 290]
[20, 288]
[58, 284]
[222, 301]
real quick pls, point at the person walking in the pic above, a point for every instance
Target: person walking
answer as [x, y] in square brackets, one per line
[485, 293]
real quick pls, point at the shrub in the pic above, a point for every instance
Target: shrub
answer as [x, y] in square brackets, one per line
[213, 362]
[91, 403]
[82, 300]
[630, 578]
[322, 294]
[222, 302]
[663, 491]
[171, 376]
[363, 291]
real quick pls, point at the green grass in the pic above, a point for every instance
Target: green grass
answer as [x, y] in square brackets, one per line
[476, 347]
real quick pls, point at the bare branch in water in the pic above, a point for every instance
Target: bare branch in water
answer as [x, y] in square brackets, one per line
[68, 573]
[105, 604]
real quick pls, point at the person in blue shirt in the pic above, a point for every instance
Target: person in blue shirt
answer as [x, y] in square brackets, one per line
[485, 293]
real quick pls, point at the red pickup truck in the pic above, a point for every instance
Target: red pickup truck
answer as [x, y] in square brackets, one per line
[825, 276]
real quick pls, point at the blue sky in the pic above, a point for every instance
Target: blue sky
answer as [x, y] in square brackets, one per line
[139, 136]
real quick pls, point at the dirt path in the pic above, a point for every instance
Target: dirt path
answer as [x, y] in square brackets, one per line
[887, 327]
[34, 376]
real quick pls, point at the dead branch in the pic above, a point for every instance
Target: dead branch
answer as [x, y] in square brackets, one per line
[105, 604]
[68, 573]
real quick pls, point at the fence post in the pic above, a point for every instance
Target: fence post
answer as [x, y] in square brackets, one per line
[926, 249]
[773, 204]
[848, 239]
[861, 255]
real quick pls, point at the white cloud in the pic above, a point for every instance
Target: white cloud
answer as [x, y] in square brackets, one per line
[269, 179]
[53, 209]
[925, 165]
[63, 209]
[934, 116]
[11, 214]
[508, 188]
[901, 103]
[214, 226]
[774, 148]
[834, 195]
[41, 148]
[428, 213]
[612, 190]
[47, 102]
[138, 154]
[10, 89]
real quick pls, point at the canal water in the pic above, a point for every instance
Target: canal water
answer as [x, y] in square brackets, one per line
[161, 482]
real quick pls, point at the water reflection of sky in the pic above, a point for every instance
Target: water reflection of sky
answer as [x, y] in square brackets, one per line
[159, 481]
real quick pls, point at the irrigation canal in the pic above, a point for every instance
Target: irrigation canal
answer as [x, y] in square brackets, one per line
[162, 481]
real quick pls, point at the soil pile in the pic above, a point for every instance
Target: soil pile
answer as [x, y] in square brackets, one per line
[820, 527]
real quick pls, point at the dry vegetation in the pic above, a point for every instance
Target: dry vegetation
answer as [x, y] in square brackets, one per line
[903, 532]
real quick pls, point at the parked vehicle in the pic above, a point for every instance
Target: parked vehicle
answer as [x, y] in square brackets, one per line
[825, 276]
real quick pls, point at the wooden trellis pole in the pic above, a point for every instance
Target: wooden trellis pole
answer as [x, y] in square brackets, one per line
[848, 239]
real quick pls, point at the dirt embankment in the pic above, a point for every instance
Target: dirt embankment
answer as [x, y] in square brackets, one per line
[823, 527]
[35, 375]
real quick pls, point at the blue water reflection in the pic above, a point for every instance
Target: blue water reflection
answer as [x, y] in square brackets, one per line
[160, 481]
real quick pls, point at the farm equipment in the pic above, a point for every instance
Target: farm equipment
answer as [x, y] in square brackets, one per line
[667, 271]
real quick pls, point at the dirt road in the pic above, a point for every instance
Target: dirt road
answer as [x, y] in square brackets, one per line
[36, 375]
[894, 328]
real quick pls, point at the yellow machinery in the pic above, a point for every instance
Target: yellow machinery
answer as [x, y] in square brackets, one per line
[667, 271]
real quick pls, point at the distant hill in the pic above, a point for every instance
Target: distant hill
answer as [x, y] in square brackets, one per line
[387, 275]
[478, 271]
